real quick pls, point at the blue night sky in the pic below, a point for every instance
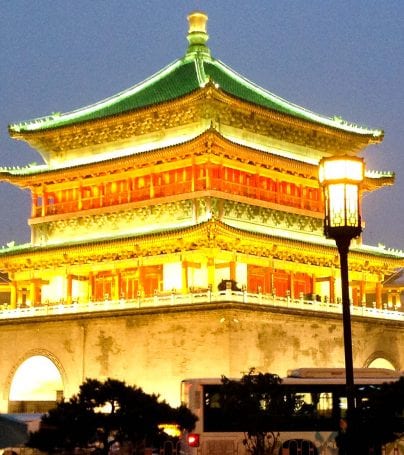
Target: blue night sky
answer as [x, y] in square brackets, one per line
[343, 57]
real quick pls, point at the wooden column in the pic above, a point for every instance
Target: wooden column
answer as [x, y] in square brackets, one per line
[222, 181]
[32, 293]
[116, 291]
[362, 291]
[232, 267]
[313, 284]
[184, 278]
[277, 191]
[101, 194]
[13, 294]
[378, 294]
[208, 176]
[332, 289]
[211, 272]
[292, 285]
[44, 203]
[302, 194]
[193, 176]
[270, 280]
[90, 294]
[34, 205]
[80, 198]
[152, 192]
[141, 280]
[69, 286]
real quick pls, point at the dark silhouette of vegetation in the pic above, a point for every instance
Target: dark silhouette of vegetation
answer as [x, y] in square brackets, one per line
[255, 404]
[108, 412]
[378, 418]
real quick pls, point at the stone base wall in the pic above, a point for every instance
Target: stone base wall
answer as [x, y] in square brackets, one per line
[157, 348]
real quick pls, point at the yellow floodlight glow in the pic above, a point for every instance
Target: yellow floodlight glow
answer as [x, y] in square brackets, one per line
[171, 429]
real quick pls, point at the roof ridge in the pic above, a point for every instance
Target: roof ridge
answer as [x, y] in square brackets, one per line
[40, 122]
[308, 114]
[200, 71]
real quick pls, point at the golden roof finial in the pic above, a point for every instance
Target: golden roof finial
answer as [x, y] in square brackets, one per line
[197, 35]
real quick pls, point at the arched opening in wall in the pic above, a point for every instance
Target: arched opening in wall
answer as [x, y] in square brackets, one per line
[36, 386]
[380, 362]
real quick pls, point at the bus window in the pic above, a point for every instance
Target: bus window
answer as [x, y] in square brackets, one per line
[343, 406]
[212, 400]
[298, 447]
[325, 404]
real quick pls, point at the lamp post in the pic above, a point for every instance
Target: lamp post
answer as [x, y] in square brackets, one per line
[341, 178]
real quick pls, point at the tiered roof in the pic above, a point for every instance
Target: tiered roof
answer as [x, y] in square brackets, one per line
[182, 77]
[195, 77]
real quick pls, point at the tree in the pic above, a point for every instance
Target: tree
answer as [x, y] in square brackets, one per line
[256, 405]
[108, 411]
[379, 416]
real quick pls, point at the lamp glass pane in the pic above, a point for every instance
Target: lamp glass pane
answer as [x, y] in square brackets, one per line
[343, 205]
[352, 209]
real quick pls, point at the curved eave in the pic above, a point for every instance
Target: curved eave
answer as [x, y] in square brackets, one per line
[32, 174]
[395, 281]
[36, 174]
[210, 234]
[375, 180]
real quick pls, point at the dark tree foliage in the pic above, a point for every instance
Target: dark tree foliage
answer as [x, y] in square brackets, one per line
[256, 404]
[379, 418]
[106, 411]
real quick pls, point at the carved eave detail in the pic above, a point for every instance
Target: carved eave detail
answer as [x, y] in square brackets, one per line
[212, 236]
[208, 104]
[210, 146]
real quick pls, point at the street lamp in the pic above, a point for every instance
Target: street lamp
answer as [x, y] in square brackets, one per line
[341, 178]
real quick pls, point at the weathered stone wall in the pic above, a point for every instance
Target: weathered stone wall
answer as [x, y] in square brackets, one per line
[157, 348]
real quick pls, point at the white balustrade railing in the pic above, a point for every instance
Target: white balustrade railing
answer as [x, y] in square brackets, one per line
[203, 297]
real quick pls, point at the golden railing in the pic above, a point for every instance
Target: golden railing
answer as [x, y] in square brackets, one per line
[195, 298]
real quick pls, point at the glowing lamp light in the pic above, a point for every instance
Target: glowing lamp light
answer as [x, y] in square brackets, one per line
[341, 178]
[193, 440]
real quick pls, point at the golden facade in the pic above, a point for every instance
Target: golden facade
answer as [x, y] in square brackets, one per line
[179, 185]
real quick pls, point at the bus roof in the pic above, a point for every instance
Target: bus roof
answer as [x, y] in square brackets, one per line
[322, 376]
[339, 373]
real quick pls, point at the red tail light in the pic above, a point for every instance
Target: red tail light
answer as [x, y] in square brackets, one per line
[193, 440]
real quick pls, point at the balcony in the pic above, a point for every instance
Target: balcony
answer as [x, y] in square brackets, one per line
[195, 298]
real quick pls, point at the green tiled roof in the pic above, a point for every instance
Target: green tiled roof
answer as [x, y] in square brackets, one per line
[183, 77]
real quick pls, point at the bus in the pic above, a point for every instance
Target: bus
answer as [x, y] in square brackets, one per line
[320, 390]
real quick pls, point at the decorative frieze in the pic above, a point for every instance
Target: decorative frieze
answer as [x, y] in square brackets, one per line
[265, 217]
[210, 105]
[137, 220]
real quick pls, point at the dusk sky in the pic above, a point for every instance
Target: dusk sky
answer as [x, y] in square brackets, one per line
[334, 57]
